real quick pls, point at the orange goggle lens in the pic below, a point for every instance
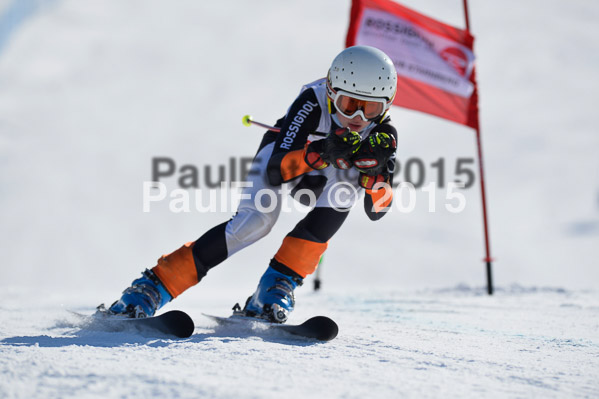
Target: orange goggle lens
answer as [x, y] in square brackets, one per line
[348, 106]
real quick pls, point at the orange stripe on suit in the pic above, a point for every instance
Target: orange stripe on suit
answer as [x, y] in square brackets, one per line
[381, 198]
[293, 165]
[177, 270]
[300, 255]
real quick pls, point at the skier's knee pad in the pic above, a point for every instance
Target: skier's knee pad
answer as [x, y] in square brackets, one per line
[247, 227]
[177, 270]
[300, 255]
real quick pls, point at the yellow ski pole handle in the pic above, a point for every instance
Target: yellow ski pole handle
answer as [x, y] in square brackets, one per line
[247, 120]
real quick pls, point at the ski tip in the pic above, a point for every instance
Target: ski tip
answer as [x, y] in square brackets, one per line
[185, 324]
[325, 329]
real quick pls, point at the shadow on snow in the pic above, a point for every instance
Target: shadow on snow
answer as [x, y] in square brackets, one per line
[84, 332]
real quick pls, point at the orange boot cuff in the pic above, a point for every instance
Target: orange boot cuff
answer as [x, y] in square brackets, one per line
[177, 270]
[301, 256]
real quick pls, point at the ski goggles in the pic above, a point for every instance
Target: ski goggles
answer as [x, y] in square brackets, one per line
[350, 105]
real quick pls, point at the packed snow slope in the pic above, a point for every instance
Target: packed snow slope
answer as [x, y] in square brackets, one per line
[457, 342]
[91, 92]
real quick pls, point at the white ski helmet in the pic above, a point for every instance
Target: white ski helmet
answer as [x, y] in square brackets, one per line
[364, 73]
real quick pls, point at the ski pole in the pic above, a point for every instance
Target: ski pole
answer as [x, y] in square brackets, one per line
[249, 121]
[317, 281]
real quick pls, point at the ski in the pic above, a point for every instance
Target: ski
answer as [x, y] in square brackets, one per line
[174, 322]
[320, 328]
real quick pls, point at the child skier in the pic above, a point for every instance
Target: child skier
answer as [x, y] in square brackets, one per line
[351, 105]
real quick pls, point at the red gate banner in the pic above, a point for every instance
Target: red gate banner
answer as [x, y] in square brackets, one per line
[434, 61]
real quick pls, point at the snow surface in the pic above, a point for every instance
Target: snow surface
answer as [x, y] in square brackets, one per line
[91, 91]
[522, 342]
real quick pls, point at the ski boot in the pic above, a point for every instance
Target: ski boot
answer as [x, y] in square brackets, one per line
[145, 296]
[273, 299]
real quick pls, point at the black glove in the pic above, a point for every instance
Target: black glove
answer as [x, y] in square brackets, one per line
[313, 155]
[371, 159]
[340, 146]
[369, 181]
